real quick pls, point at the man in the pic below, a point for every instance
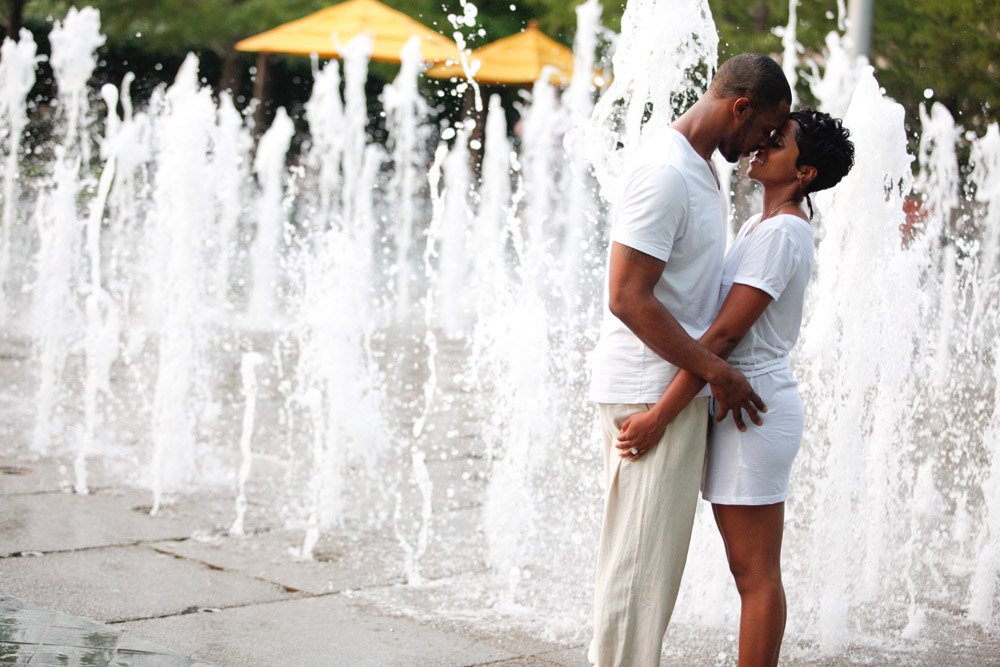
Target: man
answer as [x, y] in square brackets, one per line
[664, 273]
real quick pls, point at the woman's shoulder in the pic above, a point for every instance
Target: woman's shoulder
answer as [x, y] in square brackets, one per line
[787, 220]
[782, 235]
[787, 224]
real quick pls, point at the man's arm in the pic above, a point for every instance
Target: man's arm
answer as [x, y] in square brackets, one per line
[632, 277]
[743, 306]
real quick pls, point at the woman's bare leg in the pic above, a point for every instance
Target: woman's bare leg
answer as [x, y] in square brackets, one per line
[752, 535]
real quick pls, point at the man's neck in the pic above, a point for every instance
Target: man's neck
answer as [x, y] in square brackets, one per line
[699, 126]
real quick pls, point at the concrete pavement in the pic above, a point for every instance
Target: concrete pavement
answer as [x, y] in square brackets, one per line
[165, 591]
[95, 580]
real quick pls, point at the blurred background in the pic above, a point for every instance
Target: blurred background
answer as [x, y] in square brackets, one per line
[921, 49]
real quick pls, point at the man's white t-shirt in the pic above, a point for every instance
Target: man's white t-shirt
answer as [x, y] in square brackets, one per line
[776, 257]
[670, 208]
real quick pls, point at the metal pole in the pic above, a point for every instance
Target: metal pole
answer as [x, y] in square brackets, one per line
[860, 14]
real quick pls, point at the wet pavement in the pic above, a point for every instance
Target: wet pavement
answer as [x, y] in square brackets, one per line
[95, 580]
[33, 635]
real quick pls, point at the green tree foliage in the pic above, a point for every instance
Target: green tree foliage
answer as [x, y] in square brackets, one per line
[174, 26]
[951, 47]
[178, 26]
[948, 46]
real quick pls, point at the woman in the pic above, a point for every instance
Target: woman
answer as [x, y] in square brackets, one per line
[763, 288]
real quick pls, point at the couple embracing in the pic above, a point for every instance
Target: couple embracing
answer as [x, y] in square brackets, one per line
[687, 322]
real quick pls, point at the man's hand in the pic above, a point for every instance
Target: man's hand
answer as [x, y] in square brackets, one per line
[732, 392]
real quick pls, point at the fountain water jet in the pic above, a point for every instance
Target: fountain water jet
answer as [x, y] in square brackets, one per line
[265, 252]
[17, 76]
[406, 115]
[250, 387]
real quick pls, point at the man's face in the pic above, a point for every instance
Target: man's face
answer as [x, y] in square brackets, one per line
[753, 132]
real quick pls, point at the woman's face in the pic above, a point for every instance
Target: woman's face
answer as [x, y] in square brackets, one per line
[775, 164]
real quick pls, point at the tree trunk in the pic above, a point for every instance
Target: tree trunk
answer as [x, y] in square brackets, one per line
[479, 131]
[16, 18]
[260, 93]
[232, 74]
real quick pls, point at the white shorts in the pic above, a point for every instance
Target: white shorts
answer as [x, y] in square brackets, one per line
[752, 468]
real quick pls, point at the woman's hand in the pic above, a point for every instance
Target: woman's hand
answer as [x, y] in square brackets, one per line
[639, 433]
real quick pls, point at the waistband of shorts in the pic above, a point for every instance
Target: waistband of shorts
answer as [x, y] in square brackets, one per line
[753, 370]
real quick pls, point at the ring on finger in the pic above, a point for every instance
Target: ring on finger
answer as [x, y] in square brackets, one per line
[635, 451]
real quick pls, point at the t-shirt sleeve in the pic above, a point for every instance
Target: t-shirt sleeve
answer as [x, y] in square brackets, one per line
[769, 260]
[653, 211]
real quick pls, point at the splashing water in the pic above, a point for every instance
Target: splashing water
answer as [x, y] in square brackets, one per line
[421, 333]
[248, 373]
[406, 113]
[655, 74]
[790, 49]
[17, 76]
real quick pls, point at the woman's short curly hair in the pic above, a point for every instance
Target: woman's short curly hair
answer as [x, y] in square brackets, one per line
[824, 144]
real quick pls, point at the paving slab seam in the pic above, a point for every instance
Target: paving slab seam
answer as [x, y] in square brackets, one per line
[542, 655]
[402, 582]
[572, 647]
[304, 595]
[213, 610]
[446, 577]
[32, 554]
[186, 612]
[219, 568]
[526, 656]
[50, 492]
[291, 589]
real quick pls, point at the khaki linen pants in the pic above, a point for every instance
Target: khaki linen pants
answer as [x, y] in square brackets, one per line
[649, 510]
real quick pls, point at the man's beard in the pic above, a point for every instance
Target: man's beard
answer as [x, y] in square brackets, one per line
[735, 147]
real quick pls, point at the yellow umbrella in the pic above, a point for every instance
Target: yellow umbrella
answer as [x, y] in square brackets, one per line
[515, 59]
[326, 31]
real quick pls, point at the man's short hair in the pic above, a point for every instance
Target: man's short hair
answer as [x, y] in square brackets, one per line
[754, 76]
